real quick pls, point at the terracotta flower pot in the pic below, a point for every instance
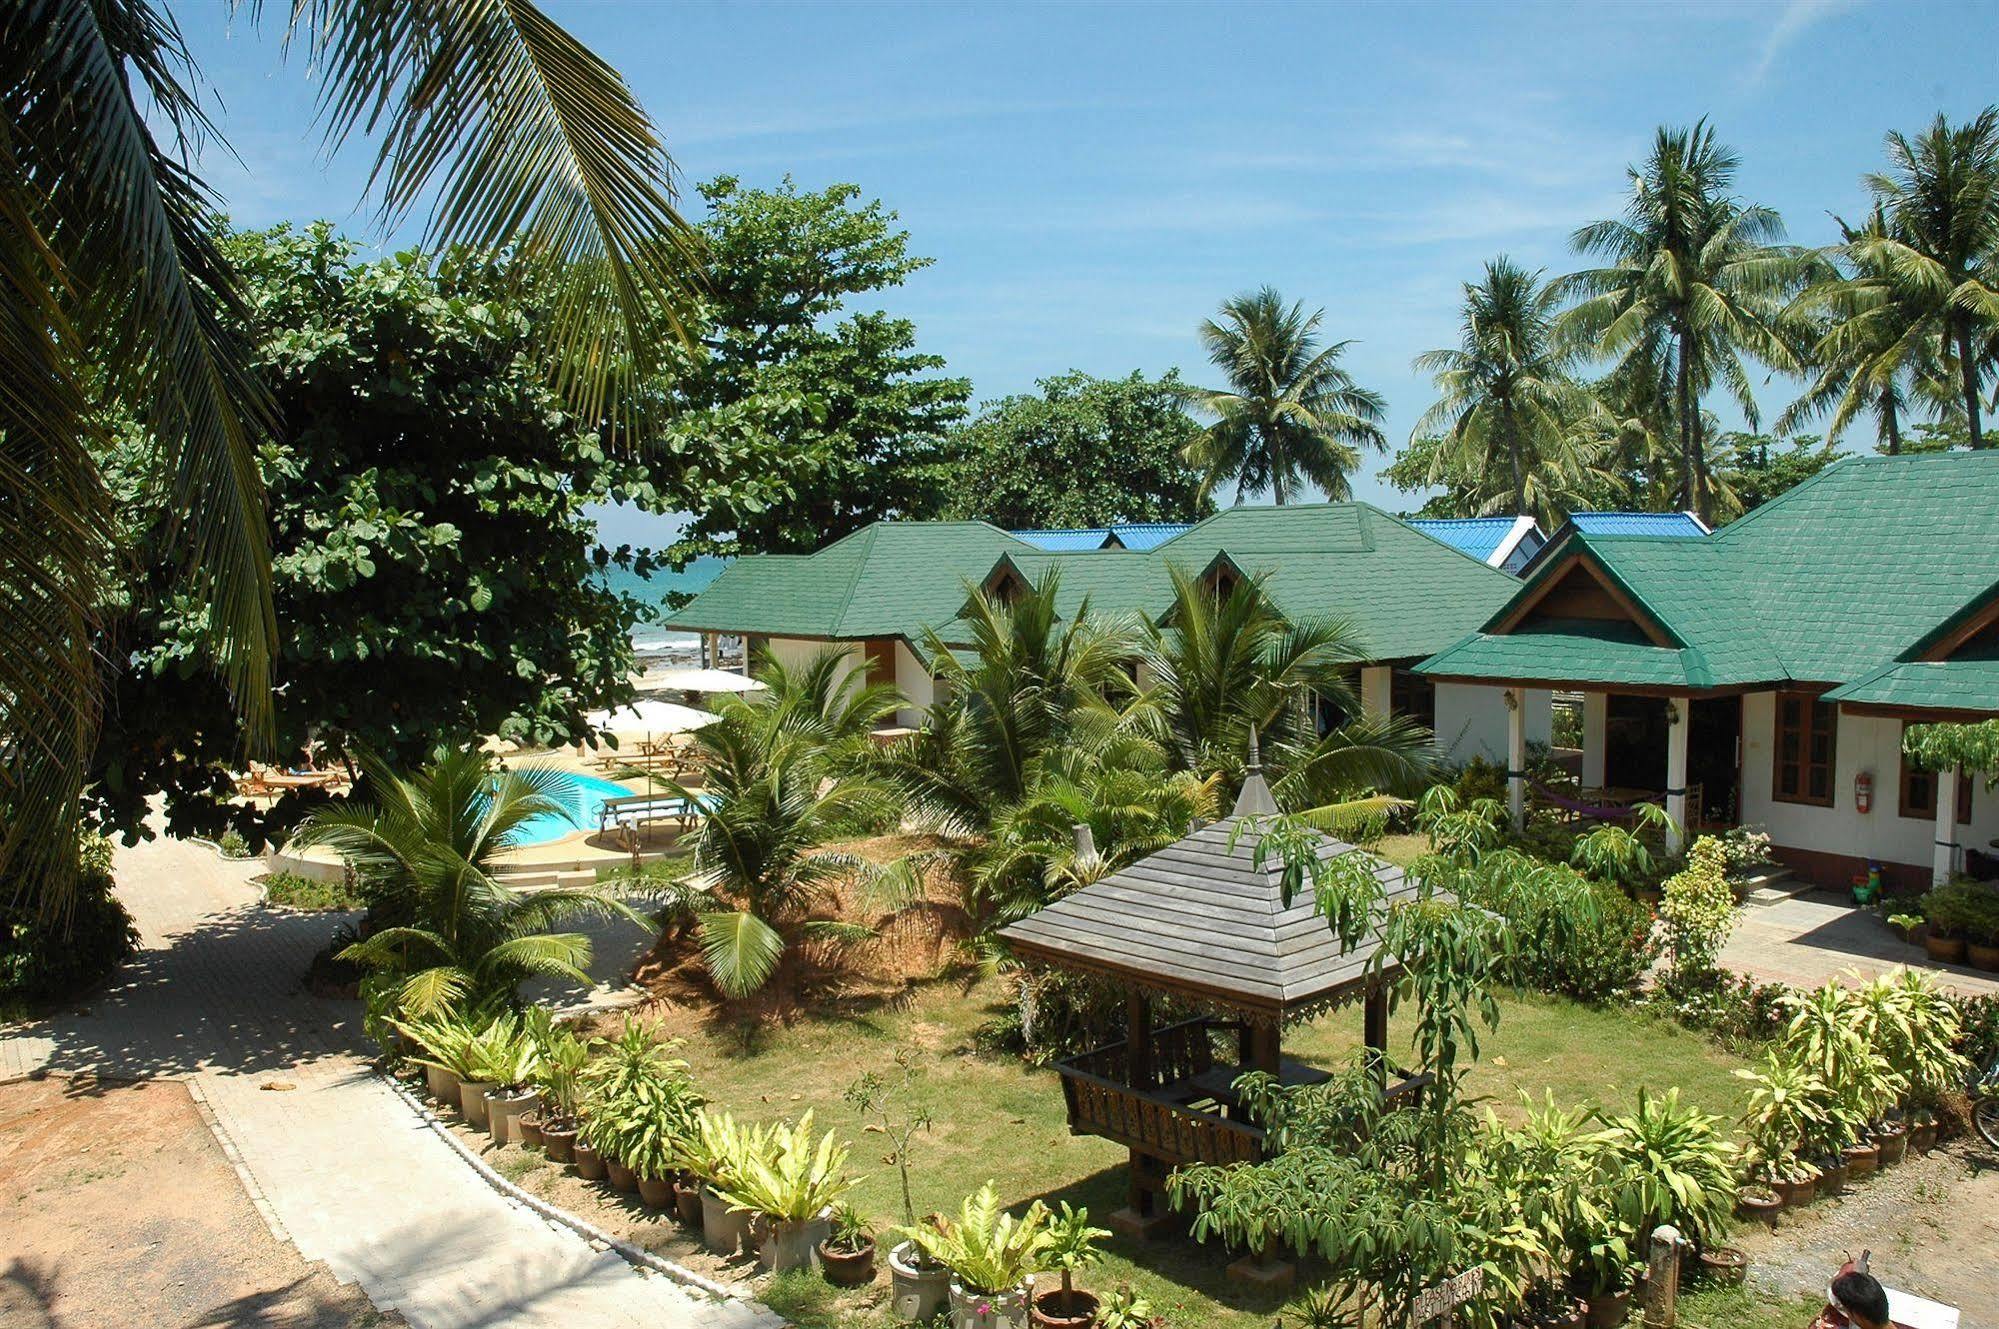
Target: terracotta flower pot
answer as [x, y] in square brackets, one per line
[623, 1179]
[786, 1246]
[1801, 1193]
[472, 1101]
[1724, 1266]
[917, 1288]
[1832, 1176]
[722, 1229]
[504, 1111]
[1981, 955]
[1893, 1143]
[1786, 1193]
[530, 1129]
[687, 1201]
[1054, 1309]
[589, 1163]
[848, 1268]
[1609, 1310]
[558, 1140]
[1861, 1160]
[972, 1309]
[655, 1192]
[1923, 1136]
[1948, 949]
[1760, 1206]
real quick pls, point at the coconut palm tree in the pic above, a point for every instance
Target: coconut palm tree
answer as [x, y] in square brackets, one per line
[1228, 664]
[1694, 278]
[1509, 414]
[1288, 412]
[113, 291]
[1031, 673]
[828, 695]
[1874, 353]
[424, 855]
[775, 793]
[1936, 261]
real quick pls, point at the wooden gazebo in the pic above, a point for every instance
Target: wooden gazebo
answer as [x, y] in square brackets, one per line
[1199, 922]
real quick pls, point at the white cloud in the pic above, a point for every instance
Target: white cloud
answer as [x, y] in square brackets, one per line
[1798, 18]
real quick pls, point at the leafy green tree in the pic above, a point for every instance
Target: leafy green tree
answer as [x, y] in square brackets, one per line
[1287, 413]
[1693, 278]
[518, 138]
[803, 418]
[1757, 467]
[1085, 451]
[1936, 262]
[1229, 663]
[1508, 413]
[440, 927]
[433, 553]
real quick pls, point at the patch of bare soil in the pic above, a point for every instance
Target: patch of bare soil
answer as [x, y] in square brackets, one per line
[117, 1207]
[1932, 1223]
[910, 945]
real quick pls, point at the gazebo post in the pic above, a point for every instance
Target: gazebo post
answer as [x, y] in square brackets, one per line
[1141, 1217]
[1374, 1031]
[1138, 1040]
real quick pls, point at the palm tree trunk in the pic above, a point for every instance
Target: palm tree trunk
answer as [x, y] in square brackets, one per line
[1513, 455]
[1891, 420]
[1683, 390]
[1967, 368]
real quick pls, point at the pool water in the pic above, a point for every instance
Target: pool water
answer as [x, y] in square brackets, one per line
[580, 797]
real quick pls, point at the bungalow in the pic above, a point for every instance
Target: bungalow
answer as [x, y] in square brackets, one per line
[878, 590]
[1764, 674]
[1512, 543]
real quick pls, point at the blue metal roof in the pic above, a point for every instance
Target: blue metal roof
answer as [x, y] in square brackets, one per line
[1063, 541]
[1148, 535]
[1638, 523]
[1477, 536]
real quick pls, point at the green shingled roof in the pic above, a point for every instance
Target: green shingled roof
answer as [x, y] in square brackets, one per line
[1406, 594]
[1843, 575]
[1971, 686]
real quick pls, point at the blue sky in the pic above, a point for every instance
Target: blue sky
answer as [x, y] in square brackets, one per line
[1093, 179]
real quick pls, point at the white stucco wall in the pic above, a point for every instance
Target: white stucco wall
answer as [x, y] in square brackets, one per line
[1471, 720]
[794, 652]
[914, 680]
[1862, 743]
[1375, 682]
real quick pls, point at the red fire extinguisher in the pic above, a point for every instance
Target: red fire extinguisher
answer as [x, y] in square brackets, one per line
[1863, 791]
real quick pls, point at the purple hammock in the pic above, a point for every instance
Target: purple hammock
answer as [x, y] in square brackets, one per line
[1595, 812]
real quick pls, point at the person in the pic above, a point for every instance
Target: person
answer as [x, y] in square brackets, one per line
[1858, 1300]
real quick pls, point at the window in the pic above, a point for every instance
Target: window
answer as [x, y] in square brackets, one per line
[1805, 728]
[1413, 696]
[1919, 793]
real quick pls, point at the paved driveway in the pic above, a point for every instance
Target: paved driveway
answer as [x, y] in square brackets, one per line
[334, 1159]
[1810, 938]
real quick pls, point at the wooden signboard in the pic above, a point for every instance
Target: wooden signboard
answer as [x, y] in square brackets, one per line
[1435, 1304]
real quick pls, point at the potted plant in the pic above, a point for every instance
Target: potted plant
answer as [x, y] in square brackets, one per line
[991, 1255]
[1070, 1248]
[792, 1182]
[1981, 928]
[490, 1057]
[1905, 926]
[1788, 1100]
[1671, 1165]
[512, 1067]
[1549, 1305]
[919, 1287]
[847, 1255]
[559, 1077]
[639, 1102]
[441, 1038]
[1948, 908]
[1724, 1266]
[711, 1151]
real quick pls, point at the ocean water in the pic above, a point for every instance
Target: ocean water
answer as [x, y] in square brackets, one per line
[648, 637]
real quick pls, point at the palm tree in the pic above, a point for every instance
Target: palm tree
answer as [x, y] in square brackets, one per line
[424, 855]
[1693, 278]
[1508, 414]
[775, 793]
[828, 695]
[1034, 672]
[1937, 259]
[1875, 353]
[1289, 413]
[526, 146]
[1228, 664]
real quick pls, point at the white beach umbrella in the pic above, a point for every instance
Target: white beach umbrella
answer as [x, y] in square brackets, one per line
[651, 717]
[697, 680]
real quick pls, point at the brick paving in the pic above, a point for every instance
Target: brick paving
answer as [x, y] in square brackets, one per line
[335, 1160]
[1807, 939]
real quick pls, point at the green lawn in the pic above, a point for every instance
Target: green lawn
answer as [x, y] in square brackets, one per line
[1001, 1120]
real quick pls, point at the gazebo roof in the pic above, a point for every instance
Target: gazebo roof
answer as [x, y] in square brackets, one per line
[1199, 919]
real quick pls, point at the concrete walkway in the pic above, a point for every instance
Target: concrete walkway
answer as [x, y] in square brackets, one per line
[1810, 938]
[335, 1160]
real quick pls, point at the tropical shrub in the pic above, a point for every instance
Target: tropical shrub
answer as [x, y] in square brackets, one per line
[792, 1177]
[45, 955]
[1569, 934]
[423, 856]
[293, 890]
[1071, 1248]
[1748, 848]
[1618, 854]
[885, 1104]
[560, 1068]
[1787, 1108]
[1698, 907]
[501, 1054]
[1673, 1165]
[987, 1248]
[639, 1105]
[715, 1147]
[1915, 1026]
[1952, 908]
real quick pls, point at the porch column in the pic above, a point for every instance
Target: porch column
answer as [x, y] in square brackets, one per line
[1946, 836]
[711, 654]
[1596, 727]
[1676, 772]
[1516, 757]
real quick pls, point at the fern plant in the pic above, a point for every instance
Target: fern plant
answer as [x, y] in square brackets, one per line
[988, 1249]
[790, 1177]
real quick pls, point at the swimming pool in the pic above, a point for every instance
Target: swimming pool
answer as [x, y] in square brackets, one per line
[580, 798]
